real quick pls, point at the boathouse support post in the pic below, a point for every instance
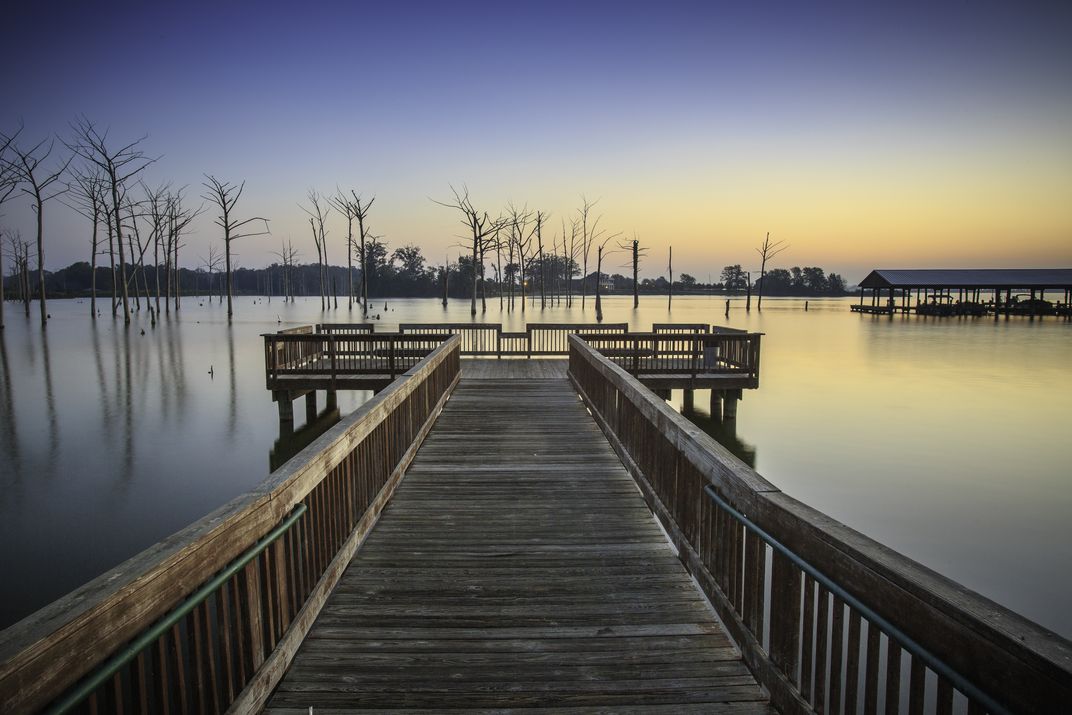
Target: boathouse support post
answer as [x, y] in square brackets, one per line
[687, 400]
[332, 399]
[310, 407]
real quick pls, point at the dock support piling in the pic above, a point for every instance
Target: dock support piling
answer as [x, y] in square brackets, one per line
[729, 409]
[687, 400]
[310, 407]
[716, 404]
[286, 407]
[332, 400]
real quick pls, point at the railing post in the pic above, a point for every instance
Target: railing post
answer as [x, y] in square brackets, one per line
[331, 358]
[391, 347]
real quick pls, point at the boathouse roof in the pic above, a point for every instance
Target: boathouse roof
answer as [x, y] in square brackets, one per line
[969, 278]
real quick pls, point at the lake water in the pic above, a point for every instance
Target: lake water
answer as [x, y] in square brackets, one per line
[946, 439]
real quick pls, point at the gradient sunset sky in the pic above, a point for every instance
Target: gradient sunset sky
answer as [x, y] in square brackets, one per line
[909, 135]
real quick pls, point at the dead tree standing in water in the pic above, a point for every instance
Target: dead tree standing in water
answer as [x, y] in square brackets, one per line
[35, 182]
[601, 251]
[225, 195]
[343, 205]
[481, 227]
[9, 181]
[90, 199]
[317, 213]
[670, 278]
[637, 253]
[766, 252]
[118, 166]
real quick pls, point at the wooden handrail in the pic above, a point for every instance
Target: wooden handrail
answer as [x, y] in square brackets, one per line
[233, 648]
[815, 649]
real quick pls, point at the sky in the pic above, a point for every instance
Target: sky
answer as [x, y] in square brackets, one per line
[862, 135]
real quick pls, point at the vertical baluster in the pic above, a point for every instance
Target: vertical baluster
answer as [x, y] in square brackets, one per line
[807, 638]
[822, 638]
[140, 683]
[224, 632]
[945, 697]
[871, 672]
[255, 623]
[180, 667]
[893, 677]
[752, 602]
[193, 627]
[916, 686]
[852, 660]
[163, 687]
[215, 695]
[837, 633]
[784, 614]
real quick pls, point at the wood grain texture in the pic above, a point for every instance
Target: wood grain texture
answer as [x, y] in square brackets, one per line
[517, 567]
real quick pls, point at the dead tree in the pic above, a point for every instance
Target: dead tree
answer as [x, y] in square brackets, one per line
[520, 245]
[670, 278]
[89, 198]
[540, 218]
[211, 264]
[9, 181]
[36, 182]
[287, 256]
[589, 227]
[601, 252]
[178, 219]
[361, 208]
[20, 271]
[481, 229]
[343, 205]
[637, 253]
[225, 195]
[766, 252]
[118, 166]
[318, 212]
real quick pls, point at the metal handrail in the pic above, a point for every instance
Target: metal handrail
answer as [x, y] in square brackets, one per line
[906, 642]
[109, 668]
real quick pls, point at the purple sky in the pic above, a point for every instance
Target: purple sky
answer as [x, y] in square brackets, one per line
[905, 135]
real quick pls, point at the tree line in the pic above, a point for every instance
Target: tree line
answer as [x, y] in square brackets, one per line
[515, 255]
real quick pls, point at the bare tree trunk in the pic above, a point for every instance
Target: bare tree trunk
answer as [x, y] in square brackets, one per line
[636, 267]
[92, 270]
[483, 282]
[41, 257]
[670, 272]
[111, 261]
[178, 276]
[3, 294]
[599, 275]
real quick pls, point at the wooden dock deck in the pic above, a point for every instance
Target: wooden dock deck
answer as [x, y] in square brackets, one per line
[517, 566]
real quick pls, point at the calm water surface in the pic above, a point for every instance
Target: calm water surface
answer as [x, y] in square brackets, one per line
[946, 439]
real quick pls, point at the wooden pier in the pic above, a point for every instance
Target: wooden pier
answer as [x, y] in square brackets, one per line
[493, 536]
[496, 578]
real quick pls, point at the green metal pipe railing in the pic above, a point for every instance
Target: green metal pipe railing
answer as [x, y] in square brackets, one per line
[110, 667]
[932, 661]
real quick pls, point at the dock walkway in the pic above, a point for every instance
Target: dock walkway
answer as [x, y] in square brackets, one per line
[517, 566]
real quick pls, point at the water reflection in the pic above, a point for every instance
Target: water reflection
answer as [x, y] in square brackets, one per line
[724, 432]
[291, 441]
[877, 423]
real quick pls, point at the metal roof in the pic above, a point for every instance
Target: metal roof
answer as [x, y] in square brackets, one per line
[969, 278]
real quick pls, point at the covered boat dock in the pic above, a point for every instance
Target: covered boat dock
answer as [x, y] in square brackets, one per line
[947, 292]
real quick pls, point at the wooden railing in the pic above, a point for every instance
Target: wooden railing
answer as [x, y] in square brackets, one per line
[690, 353]
[237, 591]
[333, 354]
[553, 338]
[477, 338]
[826, 618]
[345, 328]
[489, 339]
